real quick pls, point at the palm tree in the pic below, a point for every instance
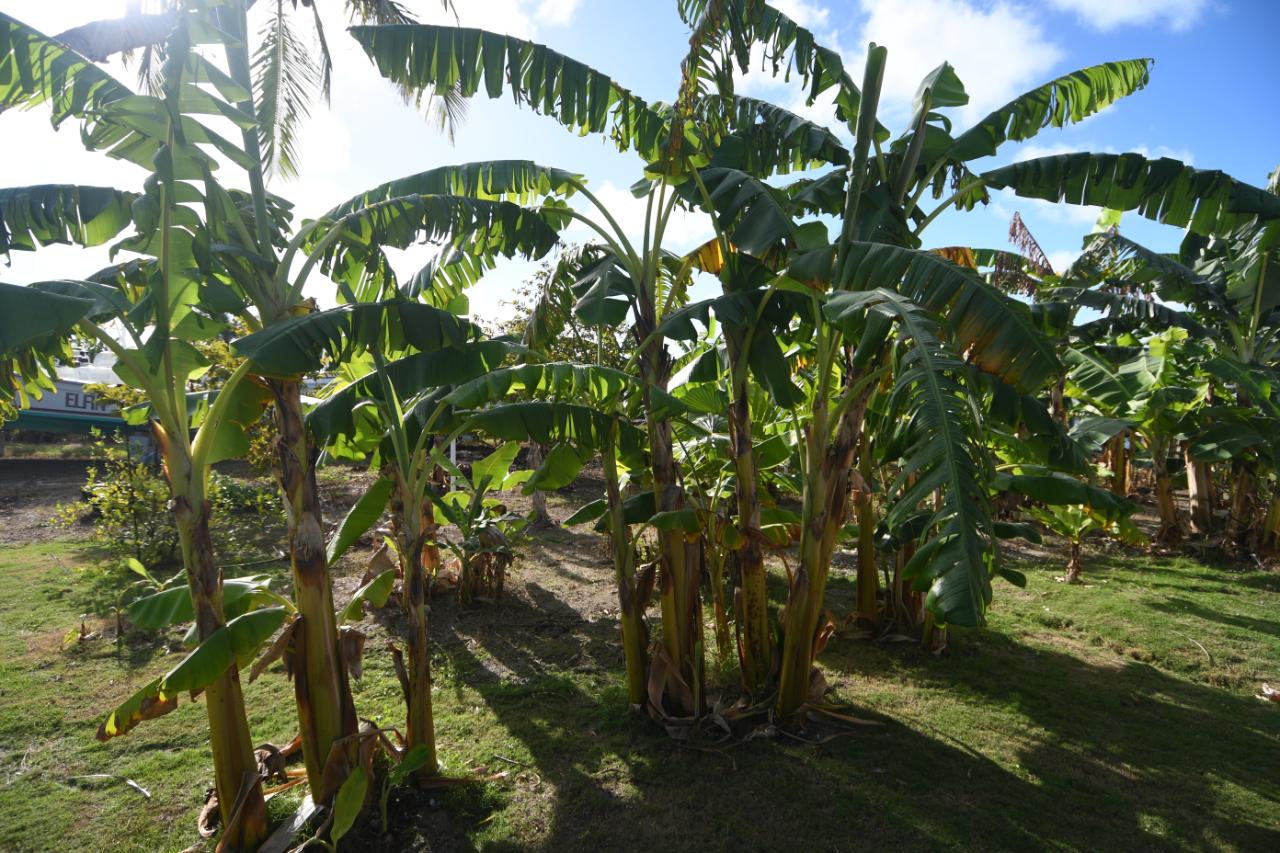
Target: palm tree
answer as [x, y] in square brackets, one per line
[289, 75]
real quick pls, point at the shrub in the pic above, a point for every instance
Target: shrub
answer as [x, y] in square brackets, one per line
[127, 502]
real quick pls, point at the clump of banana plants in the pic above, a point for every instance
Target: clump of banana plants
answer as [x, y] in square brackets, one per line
[487, 530]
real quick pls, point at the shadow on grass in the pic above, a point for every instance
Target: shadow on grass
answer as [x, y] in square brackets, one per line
[1182, 607]
[1131, 758]
[1019, 748]
[1268, 582]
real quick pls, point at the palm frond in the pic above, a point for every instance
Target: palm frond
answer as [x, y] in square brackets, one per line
[383, 11]
[286, 79]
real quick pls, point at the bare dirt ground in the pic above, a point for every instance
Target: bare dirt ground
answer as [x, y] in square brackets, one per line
[30, 492]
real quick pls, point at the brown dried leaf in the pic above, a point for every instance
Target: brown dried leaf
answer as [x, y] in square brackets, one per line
[379, 563]
[210, 817]
[351, 646]
[276, 651]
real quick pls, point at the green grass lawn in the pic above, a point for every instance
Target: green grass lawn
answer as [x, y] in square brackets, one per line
[1117, 715]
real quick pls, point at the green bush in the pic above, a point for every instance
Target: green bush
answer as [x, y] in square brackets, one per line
[127, 502]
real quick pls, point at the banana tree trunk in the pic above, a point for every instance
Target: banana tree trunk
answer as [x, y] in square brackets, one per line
[678, 580]
[1242, 504]
[1269, 541]
[1073, 563]
[413, 525]
[1118, 459]
[1170, 523]
[825, 499]
[1057, 401]
[755, 650]
[635, 635]
[326, 710]
[235, 769]
[539, 500]
[868, 584]
[1199, 494]
[713, 557]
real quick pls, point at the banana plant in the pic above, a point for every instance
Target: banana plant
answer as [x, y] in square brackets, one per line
[877, 198]
[393, 332]
[1071, 508]
[683, 140]
[157, 304]
[254, 257]
[637, 280]
[1224, 273]
[243, 265]
[558, 417]
[486, 529]
[1231, 240]
[1151, 395]
[289, 76]
[408, 350]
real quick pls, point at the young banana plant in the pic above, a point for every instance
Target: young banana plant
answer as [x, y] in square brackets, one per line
[409, 350]
[580, 410]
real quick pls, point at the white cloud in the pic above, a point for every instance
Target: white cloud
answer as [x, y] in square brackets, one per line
[808, 15]
[685, 229]
[1004, 203]
[1183, 154]
[1104, 15]
[1033, 150]
[557, 13]
[53, 18]
[999, 50]
[520, 18]
[1062, 259]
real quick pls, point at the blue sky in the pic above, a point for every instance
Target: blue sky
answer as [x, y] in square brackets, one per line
[1210, 102]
